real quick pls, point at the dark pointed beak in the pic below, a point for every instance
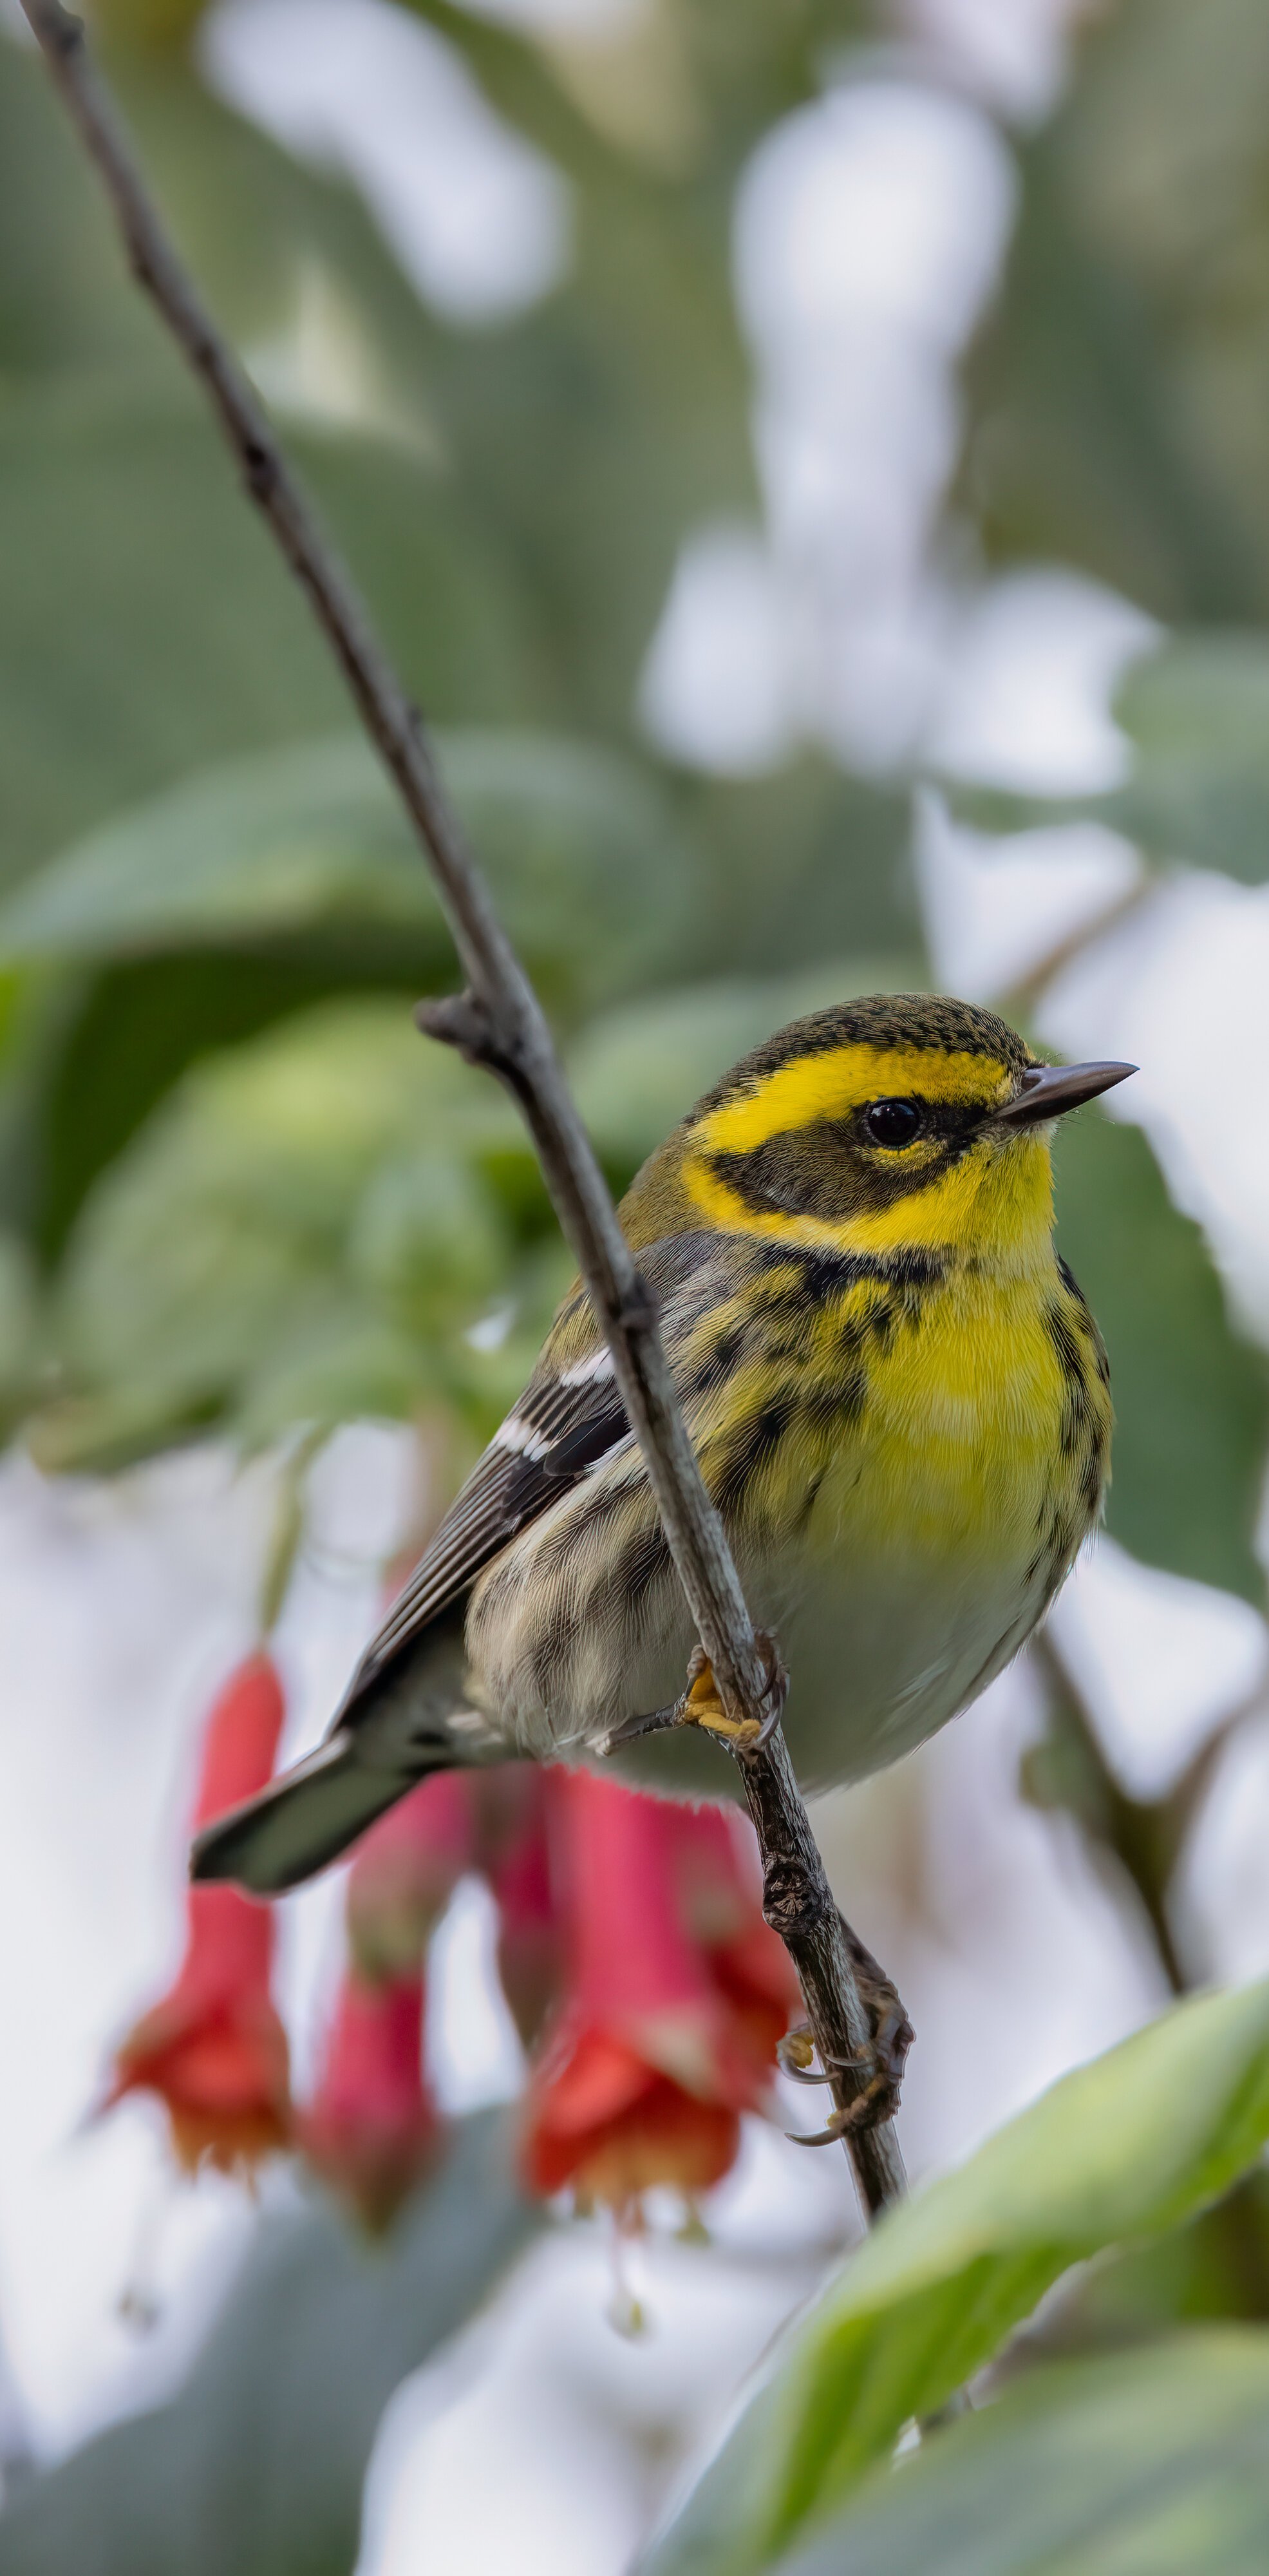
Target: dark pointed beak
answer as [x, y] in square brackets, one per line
[1045, 1090]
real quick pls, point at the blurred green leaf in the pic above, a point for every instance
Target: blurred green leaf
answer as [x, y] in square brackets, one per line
[1151, 2464]
[553, 466]
[580, 845]
[1217, 2267]
[683, 92]
[305, 1231]
[578, 443]
[582, 439]
[1191, 1399]
[1196, 716]
[255, 2467]
[146, 628]
[65, 296]
[19, 1332]
[287, 253]
[1116, 413]
[81, 1090]
[802, 864]
[1122, 2149]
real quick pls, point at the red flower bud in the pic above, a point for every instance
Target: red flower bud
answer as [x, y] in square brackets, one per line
[404, 1872]
[372, 2129]
[214, 2049]
[514, 1852]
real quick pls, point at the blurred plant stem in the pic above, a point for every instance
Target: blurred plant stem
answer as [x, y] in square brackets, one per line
[1141, 1838]
[499, 1023]
[287, 1534]
[1022, 997]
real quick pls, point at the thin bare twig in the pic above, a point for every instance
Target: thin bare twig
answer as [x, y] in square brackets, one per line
[498, 1023]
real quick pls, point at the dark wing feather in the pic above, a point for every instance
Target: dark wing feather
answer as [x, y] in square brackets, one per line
[566, 1430]
[569, 1417]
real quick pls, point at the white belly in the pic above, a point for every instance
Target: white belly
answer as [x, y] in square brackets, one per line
[884, 1655]
[883, 1647]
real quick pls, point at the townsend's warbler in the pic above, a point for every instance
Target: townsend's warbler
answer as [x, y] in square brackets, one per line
[899, 1401]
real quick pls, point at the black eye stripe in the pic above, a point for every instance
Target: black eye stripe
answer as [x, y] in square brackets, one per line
[832, 1168]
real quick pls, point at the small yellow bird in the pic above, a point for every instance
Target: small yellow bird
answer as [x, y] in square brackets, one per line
[900, 1404]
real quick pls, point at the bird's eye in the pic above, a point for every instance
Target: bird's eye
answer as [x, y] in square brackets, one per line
[892, 1122]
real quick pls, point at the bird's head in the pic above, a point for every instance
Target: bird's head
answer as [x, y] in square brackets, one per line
[904, 1120]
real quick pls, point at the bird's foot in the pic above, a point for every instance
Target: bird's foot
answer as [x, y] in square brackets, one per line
[702, 1706]
[878, 2068]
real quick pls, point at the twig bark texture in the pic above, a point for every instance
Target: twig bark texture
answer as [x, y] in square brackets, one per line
[498, 1022]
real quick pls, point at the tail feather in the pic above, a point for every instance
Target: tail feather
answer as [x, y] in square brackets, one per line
[303, 1820]
[397, 1723]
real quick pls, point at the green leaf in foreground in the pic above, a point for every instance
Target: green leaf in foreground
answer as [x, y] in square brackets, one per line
[257, 2464]
[1148, 2464]
[1119, 2150]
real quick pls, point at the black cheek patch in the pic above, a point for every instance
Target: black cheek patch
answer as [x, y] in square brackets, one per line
[826, 1170]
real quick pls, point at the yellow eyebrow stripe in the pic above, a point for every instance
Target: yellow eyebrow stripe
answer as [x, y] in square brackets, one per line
[832, 1084]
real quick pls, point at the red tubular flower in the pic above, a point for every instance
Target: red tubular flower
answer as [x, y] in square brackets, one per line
[372, 2129]
[513, 1851]
[648, 2067]
[404, 1872]
[214, 2049]
[720, 1887]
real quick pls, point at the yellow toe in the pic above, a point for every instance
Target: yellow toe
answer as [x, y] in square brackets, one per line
[703, 1707]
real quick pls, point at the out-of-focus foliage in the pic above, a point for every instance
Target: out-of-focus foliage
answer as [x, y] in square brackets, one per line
[594, 431]
[1195, 716]
[1217, 2266]
[1118, 406]
[257, 2463]
[148, 629]
[311, 845]
[1151, 2465]
[1191, 1399]
[612, 876]
[302, 1234]
[1122, 2149]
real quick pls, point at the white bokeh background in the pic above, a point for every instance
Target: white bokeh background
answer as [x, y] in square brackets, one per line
[869, 231]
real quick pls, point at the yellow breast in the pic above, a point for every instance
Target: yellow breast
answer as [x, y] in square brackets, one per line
[985, 1423]
[905, 1554]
